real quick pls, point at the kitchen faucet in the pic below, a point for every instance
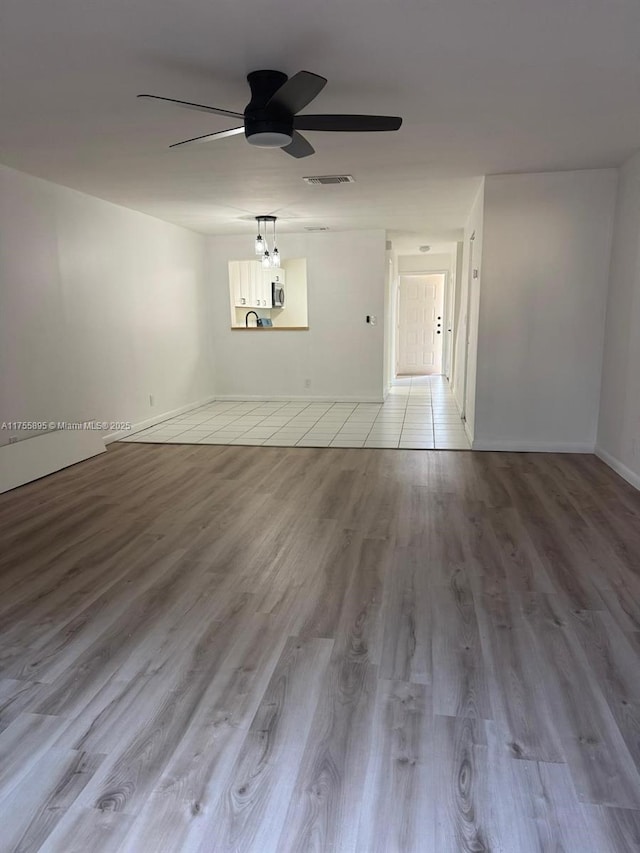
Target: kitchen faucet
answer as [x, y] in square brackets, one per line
[246, 318]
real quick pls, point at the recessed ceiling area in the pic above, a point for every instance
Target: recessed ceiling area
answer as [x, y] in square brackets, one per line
[482, 88]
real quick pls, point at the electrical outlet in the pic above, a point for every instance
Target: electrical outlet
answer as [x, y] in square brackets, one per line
[151, 399]
[307, 383]
[13, 439]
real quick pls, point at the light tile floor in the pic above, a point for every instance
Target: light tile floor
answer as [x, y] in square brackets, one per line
[419, 413]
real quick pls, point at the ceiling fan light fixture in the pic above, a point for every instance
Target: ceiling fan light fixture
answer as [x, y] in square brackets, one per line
[270, 139]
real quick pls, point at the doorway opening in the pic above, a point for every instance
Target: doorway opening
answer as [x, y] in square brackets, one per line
[420, 324]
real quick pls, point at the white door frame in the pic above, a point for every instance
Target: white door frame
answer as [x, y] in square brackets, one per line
[396, 304]
[463, 413]
[448, 316]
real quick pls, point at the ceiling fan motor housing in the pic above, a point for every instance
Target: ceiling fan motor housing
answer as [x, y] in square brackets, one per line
[267, 126]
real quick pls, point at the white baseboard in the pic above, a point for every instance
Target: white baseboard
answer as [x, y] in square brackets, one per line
[469, 433]
[532, 447]
[157, 419]
[619, 467]
[36, 457]
[261, 398]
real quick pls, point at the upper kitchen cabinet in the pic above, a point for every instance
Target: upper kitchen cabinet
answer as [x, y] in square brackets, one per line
[249, 286]
[277, 275]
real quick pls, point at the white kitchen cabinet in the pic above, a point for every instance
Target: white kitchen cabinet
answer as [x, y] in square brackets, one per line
[276, 274]
[246, 284]
[234, 281]
[240, 283]
[261, 289]
[266, 290]
[251, 284]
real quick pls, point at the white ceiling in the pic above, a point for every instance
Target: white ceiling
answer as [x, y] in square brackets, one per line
[484, 86]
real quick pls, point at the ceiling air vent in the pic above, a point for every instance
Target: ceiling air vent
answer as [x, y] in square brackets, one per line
[329, 179]
[316, 227]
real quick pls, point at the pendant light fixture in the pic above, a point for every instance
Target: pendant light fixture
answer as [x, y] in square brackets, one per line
[269, 259]
[259, 242]
[275, 255]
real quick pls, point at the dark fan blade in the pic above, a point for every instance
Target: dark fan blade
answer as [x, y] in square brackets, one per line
[190, 106]
[299, 146]
[352, 124]
[209, 137]
[298, 91]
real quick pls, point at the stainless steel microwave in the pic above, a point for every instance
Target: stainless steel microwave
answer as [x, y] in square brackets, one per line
[277, 294]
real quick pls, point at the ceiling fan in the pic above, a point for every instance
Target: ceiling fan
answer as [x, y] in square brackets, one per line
[271, 117]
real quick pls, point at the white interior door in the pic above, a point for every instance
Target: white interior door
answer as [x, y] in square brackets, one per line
[420, 324]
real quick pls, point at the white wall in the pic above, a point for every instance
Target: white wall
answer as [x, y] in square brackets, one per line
[547, 241]
[390, 305]
[341, 355]
[466, 313]
[452, 310]
[100, 307]
[619, 422]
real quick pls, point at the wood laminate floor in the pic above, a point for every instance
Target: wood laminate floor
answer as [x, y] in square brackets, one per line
[269, 649]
